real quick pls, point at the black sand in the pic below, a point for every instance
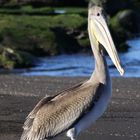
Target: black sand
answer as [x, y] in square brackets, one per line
[18, 95]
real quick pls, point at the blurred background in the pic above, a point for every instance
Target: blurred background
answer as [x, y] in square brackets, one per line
[49, 37]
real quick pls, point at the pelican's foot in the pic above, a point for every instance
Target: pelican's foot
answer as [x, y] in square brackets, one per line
[72, 133]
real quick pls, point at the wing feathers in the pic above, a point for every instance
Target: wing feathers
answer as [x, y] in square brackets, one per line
[53, 115]
[32, 114]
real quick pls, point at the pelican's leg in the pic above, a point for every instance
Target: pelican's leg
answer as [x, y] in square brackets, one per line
[71, 133]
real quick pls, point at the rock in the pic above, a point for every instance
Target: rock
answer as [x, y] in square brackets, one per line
[24, 59]
[10, 58]
[123, 26]
[125, 23]
[128, 20]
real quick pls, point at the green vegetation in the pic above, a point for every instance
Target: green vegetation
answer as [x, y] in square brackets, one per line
[39, 35]
[30, 30]
[26, 10]
[29, 10]
[36, 34]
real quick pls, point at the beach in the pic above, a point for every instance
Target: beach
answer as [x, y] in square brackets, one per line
[19, 94]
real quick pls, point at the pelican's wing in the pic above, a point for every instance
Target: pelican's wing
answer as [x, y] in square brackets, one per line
[32, 114]
[59, 113]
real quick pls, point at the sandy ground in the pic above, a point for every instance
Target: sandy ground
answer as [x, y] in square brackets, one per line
[19, 94]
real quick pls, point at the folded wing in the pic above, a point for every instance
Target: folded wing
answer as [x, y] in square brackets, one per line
[53, 115]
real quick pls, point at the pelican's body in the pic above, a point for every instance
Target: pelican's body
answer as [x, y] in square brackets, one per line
[76, 108]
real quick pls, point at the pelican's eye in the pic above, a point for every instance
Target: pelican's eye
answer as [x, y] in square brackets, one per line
[98, 14]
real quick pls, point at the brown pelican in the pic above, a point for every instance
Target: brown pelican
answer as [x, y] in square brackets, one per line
[74, 109]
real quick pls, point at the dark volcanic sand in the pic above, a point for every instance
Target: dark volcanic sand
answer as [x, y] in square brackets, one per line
[18, 95]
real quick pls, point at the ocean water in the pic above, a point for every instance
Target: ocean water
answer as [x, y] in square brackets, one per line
[83, 64]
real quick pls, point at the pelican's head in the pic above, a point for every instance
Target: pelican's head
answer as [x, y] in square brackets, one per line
[99, 34]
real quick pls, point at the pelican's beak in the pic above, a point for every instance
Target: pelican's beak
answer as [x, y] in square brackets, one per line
[98, 28]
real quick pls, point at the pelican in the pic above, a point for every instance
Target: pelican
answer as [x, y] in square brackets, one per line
[76, 108]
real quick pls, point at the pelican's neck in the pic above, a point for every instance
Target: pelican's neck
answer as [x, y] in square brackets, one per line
[100, 74]
[101, 68]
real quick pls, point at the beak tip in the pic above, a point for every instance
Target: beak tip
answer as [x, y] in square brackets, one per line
[122, 72]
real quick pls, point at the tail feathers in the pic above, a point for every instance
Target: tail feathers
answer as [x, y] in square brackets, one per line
[30, 134]
[26, 135]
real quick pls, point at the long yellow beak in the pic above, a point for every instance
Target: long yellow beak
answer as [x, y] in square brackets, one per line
[99, 29]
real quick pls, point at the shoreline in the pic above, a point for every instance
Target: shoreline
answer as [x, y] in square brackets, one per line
[19, 94]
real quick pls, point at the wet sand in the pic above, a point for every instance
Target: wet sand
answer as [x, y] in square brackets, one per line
[19, 94]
